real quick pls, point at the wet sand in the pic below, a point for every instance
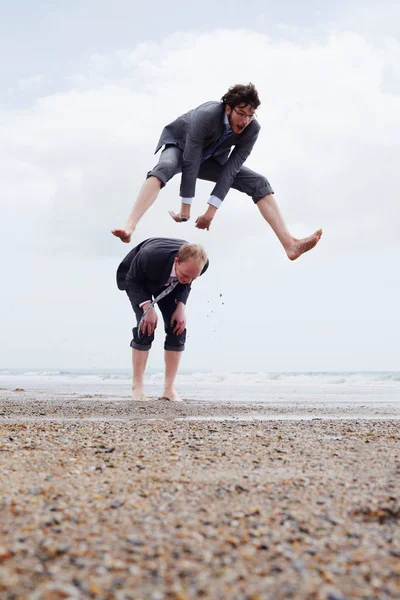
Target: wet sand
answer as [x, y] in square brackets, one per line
[109, 499]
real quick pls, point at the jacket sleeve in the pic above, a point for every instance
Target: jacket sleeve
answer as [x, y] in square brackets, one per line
[183, 294]
[233, 165]
[197, 133]
[136, 280]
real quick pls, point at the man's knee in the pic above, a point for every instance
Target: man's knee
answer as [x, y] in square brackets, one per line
[141, 341]
[173, 341]
[156, 180]
[253, 184]
[167, 166]
[262, 188]
[163, 172]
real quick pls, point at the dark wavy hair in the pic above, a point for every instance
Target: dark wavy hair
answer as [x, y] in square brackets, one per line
[241, 94]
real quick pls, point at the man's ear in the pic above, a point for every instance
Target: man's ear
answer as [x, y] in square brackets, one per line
[228, 110]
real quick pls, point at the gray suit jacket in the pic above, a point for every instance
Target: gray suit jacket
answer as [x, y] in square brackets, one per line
[197, 130]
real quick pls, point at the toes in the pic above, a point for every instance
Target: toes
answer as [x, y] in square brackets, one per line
[170, 398]
[122, 235]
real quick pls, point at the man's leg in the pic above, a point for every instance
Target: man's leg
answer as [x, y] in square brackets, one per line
[173, 346]
[258, 187]
[172, 359]
[168, 165]
[293, 247]
[145, 199]
[139, 361]
[140, 344]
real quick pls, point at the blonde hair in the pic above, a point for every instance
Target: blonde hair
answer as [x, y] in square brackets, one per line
[193, 252]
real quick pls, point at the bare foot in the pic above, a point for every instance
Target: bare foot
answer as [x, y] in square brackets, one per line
[123, 234]
[138, 395]
[171, 395]
[298, 247]
[180, 217]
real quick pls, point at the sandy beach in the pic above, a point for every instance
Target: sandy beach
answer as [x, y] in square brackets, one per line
[105, 499]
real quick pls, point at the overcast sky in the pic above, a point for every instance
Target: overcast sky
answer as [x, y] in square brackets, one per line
[86, 88]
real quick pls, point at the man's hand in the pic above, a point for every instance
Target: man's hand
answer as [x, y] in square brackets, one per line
[149, 323]
[203, 222]
[179, 317]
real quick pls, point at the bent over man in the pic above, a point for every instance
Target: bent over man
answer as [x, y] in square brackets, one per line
[160, 271]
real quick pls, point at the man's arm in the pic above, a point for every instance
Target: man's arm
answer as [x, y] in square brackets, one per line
[231, 168]
[183, 294]
[136, 280]
[198, 131]
[225, 180]
[178, 319]
[150, 319]
[179, 315]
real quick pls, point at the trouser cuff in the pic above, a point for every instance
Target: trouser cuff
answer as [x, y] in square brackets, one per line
[140, 346]
[264, 192]
[174, 348]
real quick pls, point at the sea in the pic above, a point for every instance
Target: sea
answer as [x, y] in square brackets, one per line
[381, 387]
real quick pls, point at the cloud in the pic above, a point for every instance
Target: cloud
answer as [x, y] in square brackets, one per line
[73, 161]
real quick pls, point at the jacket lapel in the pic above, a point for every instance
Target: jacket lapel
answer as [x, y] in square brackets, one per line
[166, 272]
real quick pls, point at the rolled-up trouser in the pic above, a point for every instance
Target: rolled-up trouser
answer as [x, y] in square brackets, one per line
[143, 341]
[247, 181]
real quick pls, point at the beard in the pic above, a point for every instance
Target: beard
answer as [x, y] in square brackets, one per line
[231, 124]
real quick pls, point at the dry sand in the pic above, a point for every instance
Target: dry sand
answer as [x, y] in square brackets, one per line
[103, 499]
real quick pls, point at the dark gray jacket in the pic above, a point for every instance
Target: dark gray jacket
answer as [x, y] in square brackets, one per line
[197, 130]
[148, 266]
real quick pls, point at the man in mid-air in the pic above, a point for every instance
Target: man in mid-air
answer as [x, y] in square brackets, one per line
[199, 145]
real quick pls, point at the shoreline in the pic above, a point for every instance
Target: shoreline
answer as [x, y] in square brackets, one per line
[42, 404]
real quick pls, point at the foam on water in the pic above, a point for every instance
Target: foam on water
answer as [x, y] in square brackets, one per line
[296, 388]
[362, 378]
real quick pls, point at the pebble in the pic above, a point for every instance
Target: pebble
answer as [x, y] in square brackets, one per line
[193, 510]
